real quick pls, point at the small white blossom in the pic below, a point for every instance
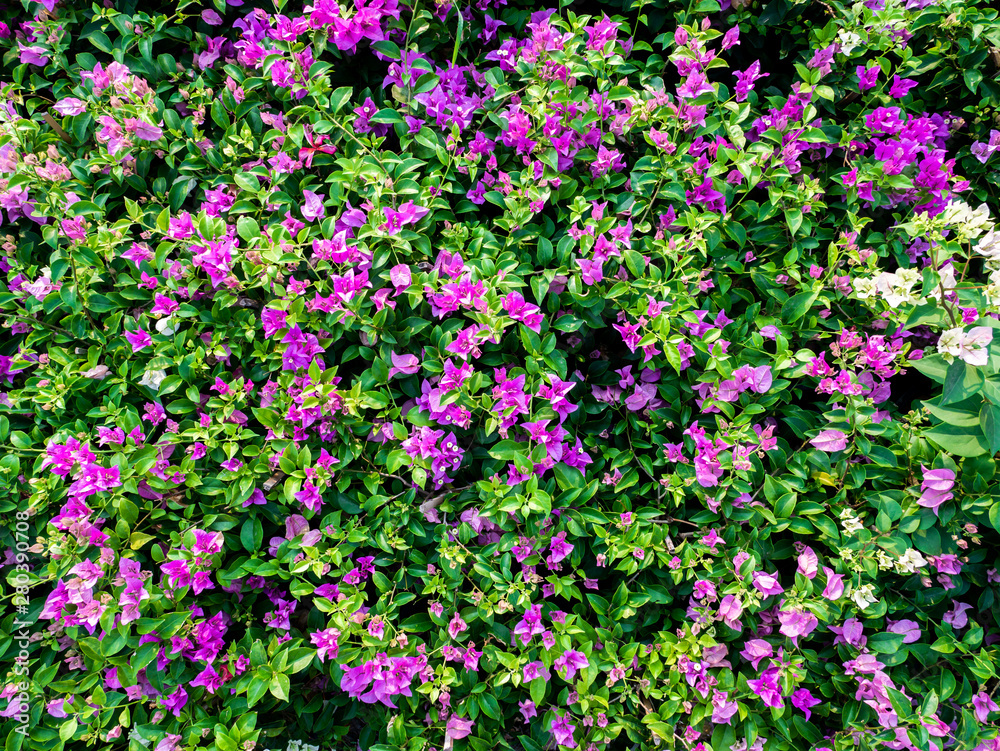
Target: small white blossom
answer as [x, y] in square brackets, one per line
[153, 379]
[910, 561]
[864, 596]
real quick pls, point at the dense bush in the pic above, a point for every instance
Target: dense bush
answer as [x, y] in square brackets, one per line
[412, 375]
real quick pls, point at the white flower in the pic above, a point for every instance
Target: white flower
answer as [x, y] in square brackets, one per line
[884, 561]
[989, 245]
[950, 343]
[910, 561]
[863, 287]
[851, 522]
[166, 326]
[153, 379]
[864, 596]
[848, 41]
[967, 222]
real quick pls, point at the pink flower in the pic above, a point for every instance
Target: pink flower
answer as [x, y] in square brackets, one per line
[808, 563]
[313, 208]
[458, 727]
[936, 487]
[767, 584]
[834, 585]
[909, 629]
[830, 440]
[70, 106]
[796, 623]
[730, 610]
[456, 627]
[983, 706]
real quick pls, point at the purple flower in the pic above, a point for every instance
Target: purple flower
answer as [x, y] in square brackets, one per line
[723, 709]
[528, 709]
[33, 55]
[956, 617]
[867, 78]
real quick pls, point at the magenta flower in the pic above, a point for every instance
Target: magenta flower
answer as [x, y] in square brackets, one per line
[804, 700]
[408, 213]
[139, 339]
[562, 731]
[456, 626]
[572, 661]
[405, 364]
[867, 78]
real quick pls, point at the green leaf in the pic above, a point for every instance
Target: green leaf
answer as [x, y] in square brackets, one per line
[885, 643]
[961, 382]
[506, 450]
[933, 366]
[280, 686]
[568, 477]
[798, 305]
[989, 421]
[959, 441]
[247, 228]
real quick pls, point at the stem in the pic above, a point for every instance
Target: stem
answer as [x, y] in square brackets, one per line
[944, 303]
